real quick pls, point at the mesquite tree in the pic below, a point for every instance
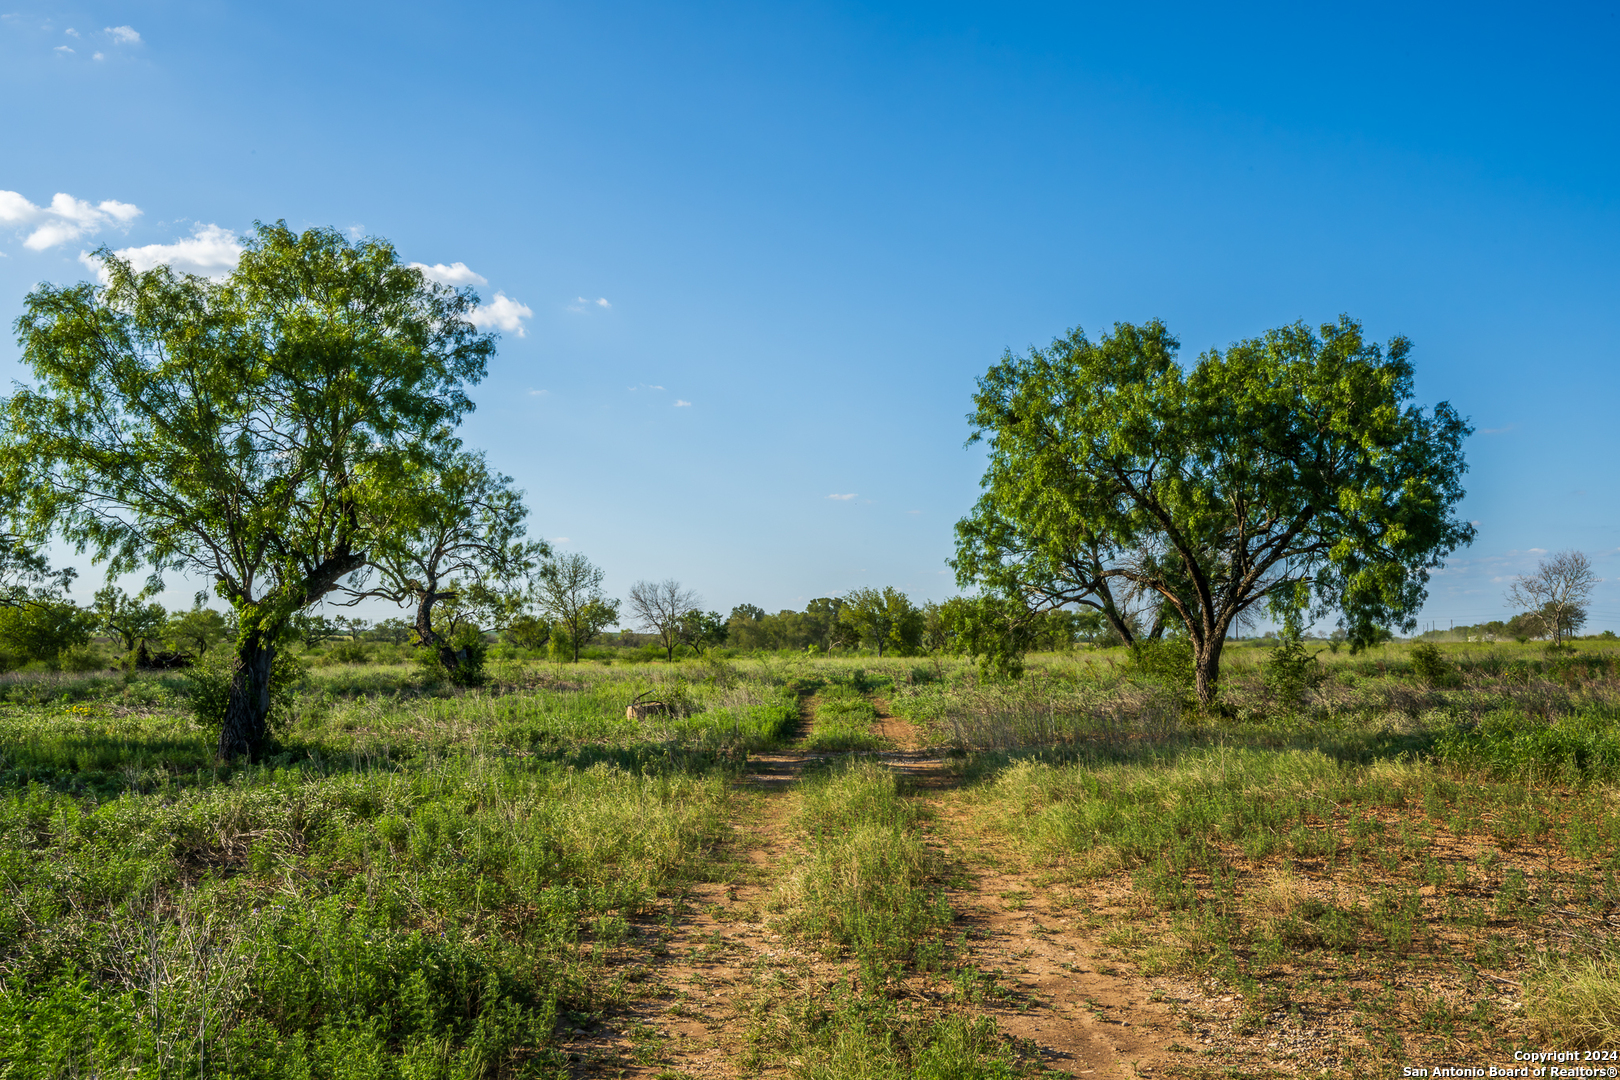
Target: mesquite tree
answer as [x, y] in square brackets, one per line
[568, 591]
[457, 546]
[228, 428]
[1290, 468]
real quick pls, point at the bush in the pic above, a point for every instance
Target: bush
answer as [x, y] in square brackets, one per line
[209, 683]
[471, 649]
[1168, 660]
[349, 652]
[1289, 670]
[42, 631]
[1429, 665]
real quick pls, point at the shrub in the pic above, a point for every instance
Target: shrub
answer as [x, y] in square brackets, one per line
[1430, 665]
[349, 652]
[1289, 670]
[41, 631]
[209, 684]
[1168, 660]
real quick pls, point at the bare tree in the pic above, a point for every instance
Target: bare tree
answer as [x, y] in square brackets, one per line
[659, 607]
[1554, 597]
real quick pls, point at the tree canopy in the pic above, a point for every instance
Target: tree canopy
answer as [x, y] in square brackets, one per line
[1290, 471]
[884, 618]
[228, 428]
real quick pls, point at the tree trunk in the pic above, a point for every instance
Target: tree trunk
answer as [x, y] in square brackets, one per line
[1207, 668]
[449, 659]
[247, 710]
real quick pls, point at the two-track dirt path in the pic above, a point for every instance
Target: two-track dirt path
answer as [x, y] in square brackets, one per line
[1063, 995]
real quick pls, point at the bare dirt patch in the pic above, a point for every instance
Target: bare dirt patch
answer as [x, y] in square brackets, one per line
[1032, 953]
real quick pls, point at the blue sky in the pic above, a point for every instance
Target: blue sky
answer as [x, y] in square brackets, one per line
[765, 250]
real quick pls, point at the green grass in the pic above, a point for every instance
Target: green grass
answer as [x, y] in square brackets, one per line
[867, 884]
[844, 719]
[423, 881]
[414, 886]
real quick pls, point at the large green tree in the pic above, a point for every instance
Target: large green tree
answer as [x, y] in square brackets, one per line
[1290, 469]
[228, 428]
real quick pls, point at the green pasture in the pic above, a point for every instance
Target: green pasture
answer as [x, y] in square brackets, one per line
[423, 881]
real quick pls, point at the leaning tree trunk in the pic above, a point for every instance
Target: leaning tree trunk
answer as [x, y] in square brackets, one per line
[247, 710]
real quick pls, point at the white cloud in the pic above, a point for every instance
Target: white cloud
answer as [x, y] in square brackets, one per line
[210, 251]
[503, 313]
[124, 35]
[679, 404]
[457, 273]
[601, 301]
[538, 393]
[16, 210]
[559, 539]
[66, 218]
[652, 387]
[63, 49]
[843, 498]
[98, 56]
[70, 32]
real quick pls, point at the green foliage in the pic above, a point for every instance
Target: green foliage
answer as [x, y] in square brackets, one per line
[1289, 669]
[198, 630]
[817, 628]
[471, 648]
[391, 631]
[234, 429]
[883, 619]
[997, 631]
[560, 645]
[456, 555]
[569, 592]
[1430, 665]
[43, 630]
[527, 632]
[1367, 636]
[311, 630]
[208, 683]
[1510, 744]
[139, 625]
[1294, 456]
[1167, 660]
[700, 630]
